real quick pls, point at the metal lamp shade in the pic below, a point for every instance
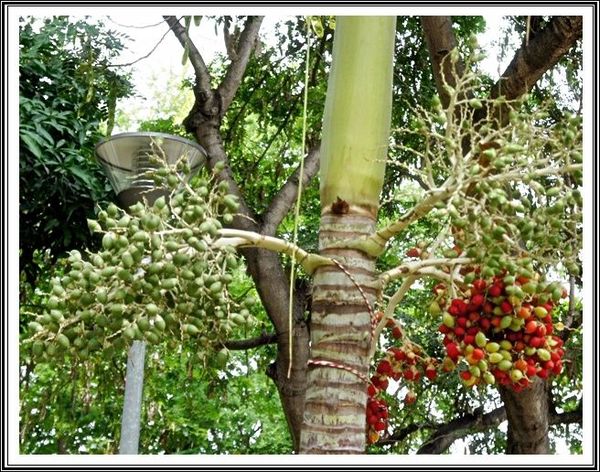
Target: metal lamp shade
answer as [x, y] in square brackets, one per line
[125, 158]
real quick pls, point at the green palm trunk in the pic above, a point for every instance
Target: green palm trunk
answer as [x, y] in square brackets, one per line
[353, 152]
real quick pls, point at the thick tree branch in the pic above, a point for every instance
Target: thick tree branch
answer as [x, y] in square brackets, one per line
[235, 71]
[543, 51]
[285, 198]
[567, 417]
[239, 238]
[243, 344]
[440, 40]
[201, 71]
[402, 434]
[447, 433]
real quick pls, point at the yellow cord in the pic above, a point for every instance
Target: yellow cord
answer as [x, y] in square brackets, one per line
[297, 210]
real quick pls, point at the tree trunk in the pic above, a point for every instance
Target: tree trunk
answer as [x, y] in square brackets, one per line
[527, 414]
[268, 274]
[353, 152]
[334, 416]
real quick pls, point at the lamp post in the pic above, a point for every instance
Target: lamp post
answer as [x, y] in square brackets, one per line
[126, 159]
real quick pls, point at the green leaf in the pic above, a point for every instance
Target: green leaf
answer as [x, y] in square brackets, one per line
[317, 26]
[42, 132]
[32, 145]
[83, 175]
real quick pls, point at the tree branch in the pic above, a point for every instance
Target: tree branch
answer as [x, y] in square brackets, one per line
[375, 244]
[543, 51]
[201, 71]
[402, 434]
[235, 71]
[440, 40]
[285, 198]
[567, 417]
[145, 56]
[417, 268]
[447, 433]
[243, 344]
[239, 238]
[530, 62]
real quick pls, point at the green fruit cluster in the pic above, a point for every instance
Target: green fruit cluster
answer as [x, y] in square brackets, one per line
[158, 276]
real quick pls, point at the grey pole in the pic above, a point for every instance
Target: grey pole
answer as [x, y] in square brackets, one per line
[132, 404]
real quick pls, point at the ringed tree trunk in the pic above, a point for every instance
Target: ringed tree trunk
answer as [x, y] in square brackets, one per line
[356, 127]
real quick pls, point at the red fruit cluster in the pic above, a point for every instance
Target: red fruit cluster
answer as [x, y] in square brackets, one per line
[377, 415]
[503, 331]
[406, 362]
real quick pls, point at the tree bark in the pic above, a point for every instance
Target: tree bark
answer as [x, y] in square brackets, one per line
[440, 40]
[527, 414]
[334, 417]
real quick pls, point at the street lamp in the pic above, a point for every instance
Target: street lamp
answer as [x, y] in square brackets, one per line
[127, 158]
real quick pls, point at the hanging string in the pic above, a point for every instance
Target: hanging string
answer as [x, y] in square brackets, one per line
[298, 200]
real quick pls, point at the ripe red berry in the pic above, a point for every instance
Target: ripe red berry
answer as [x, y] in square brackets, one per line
[557, 369]
[479, 285]
[413, 252]
[531, 327]
[431, 373]
[506, 307]
[410, 398]
[466, 375]
[384, 367]
[379, 426]
[536, 341]
[478, 354]
[398, 354]
[488, 307]
[444, 329]
[524, 382]
[452, 350]
[477, 300]
[541, 331]
[495, 291]
[396, 333]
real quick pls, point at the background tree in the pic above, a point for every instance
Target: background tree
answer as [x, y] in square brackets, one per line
[265, 267]
[67, 89]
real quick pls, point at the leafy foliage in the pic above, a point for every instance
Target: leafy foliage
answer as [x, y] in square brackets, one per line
[67, 89]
